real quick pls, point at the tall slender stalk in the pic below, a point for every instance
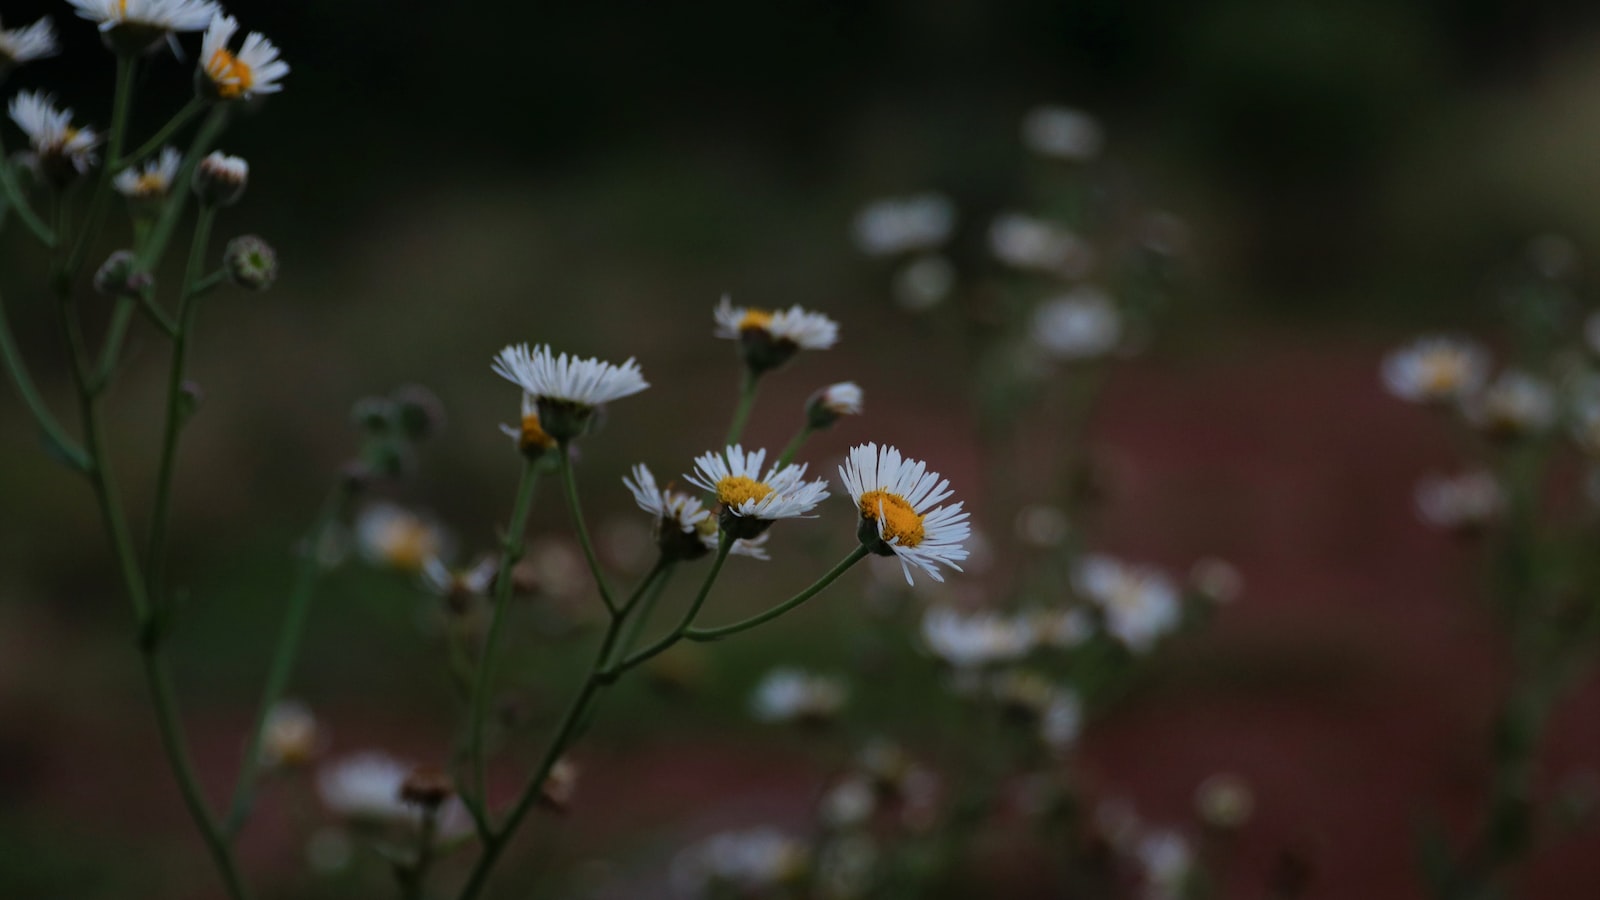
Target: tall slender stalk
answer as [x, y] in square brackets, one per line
[741, 412]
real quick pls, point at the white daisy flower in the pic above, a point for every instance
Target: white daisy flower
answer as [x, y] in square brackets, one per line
[1513, 405]
[923, 283]
[1037, 245]
[459, 586]
[254, 69]
[153, 180]
[136, 26]
[289, 736]
[391, 536]
[567, 379]
[832, 403]
[1167, 861]
[1062, 721]
[752, 500]
[794, 695]
[896, 498]
[1465, 502]
[768, 338]
[368, 787]
[741, 863]
[1139, 603]
[850, 802]
[902, 224]
[63, 151]
[1081, 324]
[1061, 133]
[977, 640]
[1435, 369]
[26, 44]
[685, 529]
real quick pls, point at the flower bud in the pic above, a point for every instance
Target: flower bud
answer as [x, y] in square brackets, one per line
[221, 179]
[418, 412]
[427, 787]
[828, 405]
[119, 276]
[372, 414]
[251, 262]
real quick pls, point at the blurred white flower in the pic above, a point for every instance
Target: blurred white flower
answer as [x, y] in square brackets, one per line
[923, 283]
[1464, 502]
[254, 69]
[1080, 324]
[1062, 720]
[794, 695]
[1216, 579]
[1042, 525]
[1037, 245]
[1515, 404]
[977, 640]
[1058, 132]
[1062, 628]
[1435, 369]
[60, 146]
[1166, 860]
[744, 862]
[153, 180]
[1140, 603]
[849, 802]
[289, 736]
[397, 538]
[795, 326]
[367, 786]
[1224, 801]
[151, 15]
[904, 224]
[26, 44]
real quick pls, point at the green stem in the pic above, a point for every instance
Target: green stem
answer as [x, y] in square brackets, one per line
[676, 634]
[636, 622]
[157, 315]
[741, 412]
[413, 876]
[284, 656]
[571, 484]
[717, 634]
[126, 64]
[160, 518]
[510, 552]
[63, 445]
[13, 192]
[111, 350]
[793, 450]
[180, 119]
[155, 242]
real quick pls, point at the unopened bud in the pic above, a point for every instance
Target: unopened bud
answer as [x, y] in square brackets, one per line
[418, 411]
[251, 262]
[427, 787]
[833, 402]
[221, 179]
[119, 276]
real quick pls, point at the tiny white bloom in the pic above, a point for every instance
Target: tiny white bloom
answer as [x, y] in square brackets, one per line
[51, 133]
[151, 181]
[1140, 604]
[902, 224]
[976, 640]
[254, 69]
[28, 43]
[367, 787]
[289, 736]
[1167, 860]
[460, 584]
[1435, 369]
[843, 398]
[789, 695]
[924, 282]
[741, 487]
[1035, 244]
[1080, 324]
[850, 802]
[389, 535]
[1513, 405]
[747, 863]
[1061, 133]
[568, 379]
[796, 325]
[898, 497]
[1062, 720]
[148, 15]
[1465, 502]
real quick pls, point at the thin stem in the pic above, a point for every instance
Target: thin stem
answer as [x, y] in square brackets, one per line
[676, 634]
[155, 242]
[414, 875]
[155, 558]
[63, 445]
[127, 63]
[510, 552]
[19, 203]
[717, 634]
[747, 400]
[795, 443]
[571, 484]
[157, 315]
[284, 656]
[639, 619]
[111, 350]
[178, 120]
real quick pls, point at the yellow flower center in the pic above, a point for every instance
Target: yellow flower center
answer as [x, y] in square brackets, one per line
[755, 320]
[898, 518]
[1442, 373]
[231, 75]
[533, 436]
[150, 184]
[407, 544]
[736, 489]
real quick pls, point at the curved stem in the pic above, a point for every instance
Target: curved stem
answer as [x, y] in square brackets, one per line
[638, 620]
[155, 558]
[283, 658]
[717, 634]
[510, 552]
[19, 203]
[63, 445]
[178, 120]
[793, 450]
[126, 64]
[741, 412]
[111, 350]
[571, 484]
[676, 634]
[155, 242]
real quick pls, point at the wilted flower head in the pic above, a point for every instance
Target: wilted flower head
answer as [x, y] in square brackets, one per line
[768, 339]
[897, 499]
[62, 150]
[1081, 324]
[752, 500]
[398, 538]
[833, 402]
[1514, 405]
[794, 695]
[135, 26]
[566, 389]
[26, 44]
[1061, 133]
[978, 639]
[1464, 503]
[1139, 603]
[289, 736]
[151, 181]
[902, 224]
[746, 863]
[1435, 369]
[1036, 245]
[227, 75]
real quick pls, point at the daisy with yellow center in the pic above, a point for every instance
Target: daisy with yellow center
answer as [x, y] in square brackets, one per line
[398, 538]
[153, 180]
[566, 389]
[254, 69]
[897, 499]
[138, 26]
[1436, 369]
[26, 44]
[63, 151]
[685, 529]
[768, 338]
[750, 499]
[529, 435]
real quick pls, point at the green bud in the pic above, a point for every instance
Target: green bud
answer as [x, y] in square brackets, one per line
[418, 412]
[119, 276]
[251, 262]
